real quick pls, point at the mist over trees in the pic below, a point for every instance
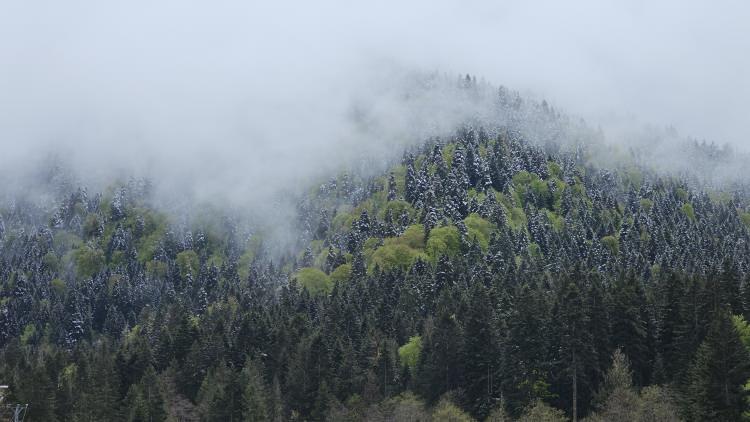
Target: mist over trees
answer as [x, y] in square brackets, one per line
[483, 275]
[290, 211]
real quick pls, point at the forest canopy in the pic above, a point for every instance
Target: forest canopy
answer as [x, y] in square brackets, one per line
[481, 276]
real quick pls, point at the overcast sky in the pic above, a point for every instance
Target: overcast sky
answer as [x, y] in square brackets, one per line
[228, 89]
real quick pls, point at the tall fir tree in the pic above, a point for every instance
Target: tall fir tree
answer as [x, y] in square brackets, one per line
[715, 387]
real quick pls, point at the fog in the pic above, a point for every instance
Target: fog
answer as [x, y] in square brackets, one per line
[232, 99]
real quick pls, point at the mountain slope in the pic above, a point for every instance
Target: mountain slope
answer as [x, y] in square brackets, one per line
[486, 272]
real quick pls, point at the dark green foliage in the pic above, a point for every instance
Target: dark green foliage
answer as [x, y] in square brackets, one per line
[716, 380]
[482, 369]
[441, 363]
[576, 349]
[507, 272]
[255, 398]
[144, 400]
[630, 326]
[220, 397]
[527, 356]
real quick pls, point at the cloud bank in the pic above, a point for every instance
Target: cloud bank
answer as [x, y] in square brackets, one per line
[240, 98]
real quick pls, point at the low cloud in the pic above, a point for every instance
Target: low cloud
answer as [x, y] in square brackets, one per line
[235, 100]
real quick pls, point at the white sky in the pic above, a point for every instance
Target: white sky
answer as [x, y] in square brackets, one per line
[232, 90]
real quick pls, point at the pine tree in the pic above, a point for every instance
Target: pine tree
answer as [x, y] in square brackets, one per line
[144, 401]
[526, 366]
[482, 351]
[411, 182]
[720, 369]
[151, 393]
[441, 361]
[220, 395]
[629, 325]
[575, 350]
[254, 396]
[391, 187]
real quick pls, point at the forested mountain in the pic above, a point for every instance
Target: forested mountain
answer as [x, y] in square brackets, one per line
[485, 275]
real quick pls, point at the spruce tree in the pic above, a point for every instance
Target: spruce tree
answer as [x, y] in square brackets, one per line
[441, 361]
[482, 351]
[254, 395]
[717, 376]
[575, 349]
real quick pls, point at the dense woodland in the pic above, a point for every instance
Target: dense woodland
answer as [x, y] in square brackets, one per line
[484, 276]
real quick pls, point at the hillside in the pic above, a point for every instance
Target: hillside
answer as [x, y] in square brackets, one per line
[484, 274]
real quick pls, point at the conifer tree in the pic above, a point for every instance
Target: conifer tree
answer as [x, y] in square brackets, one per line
[717, 376]
[254, 395]
[482, 351]
[441, 361]
[575, 350]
